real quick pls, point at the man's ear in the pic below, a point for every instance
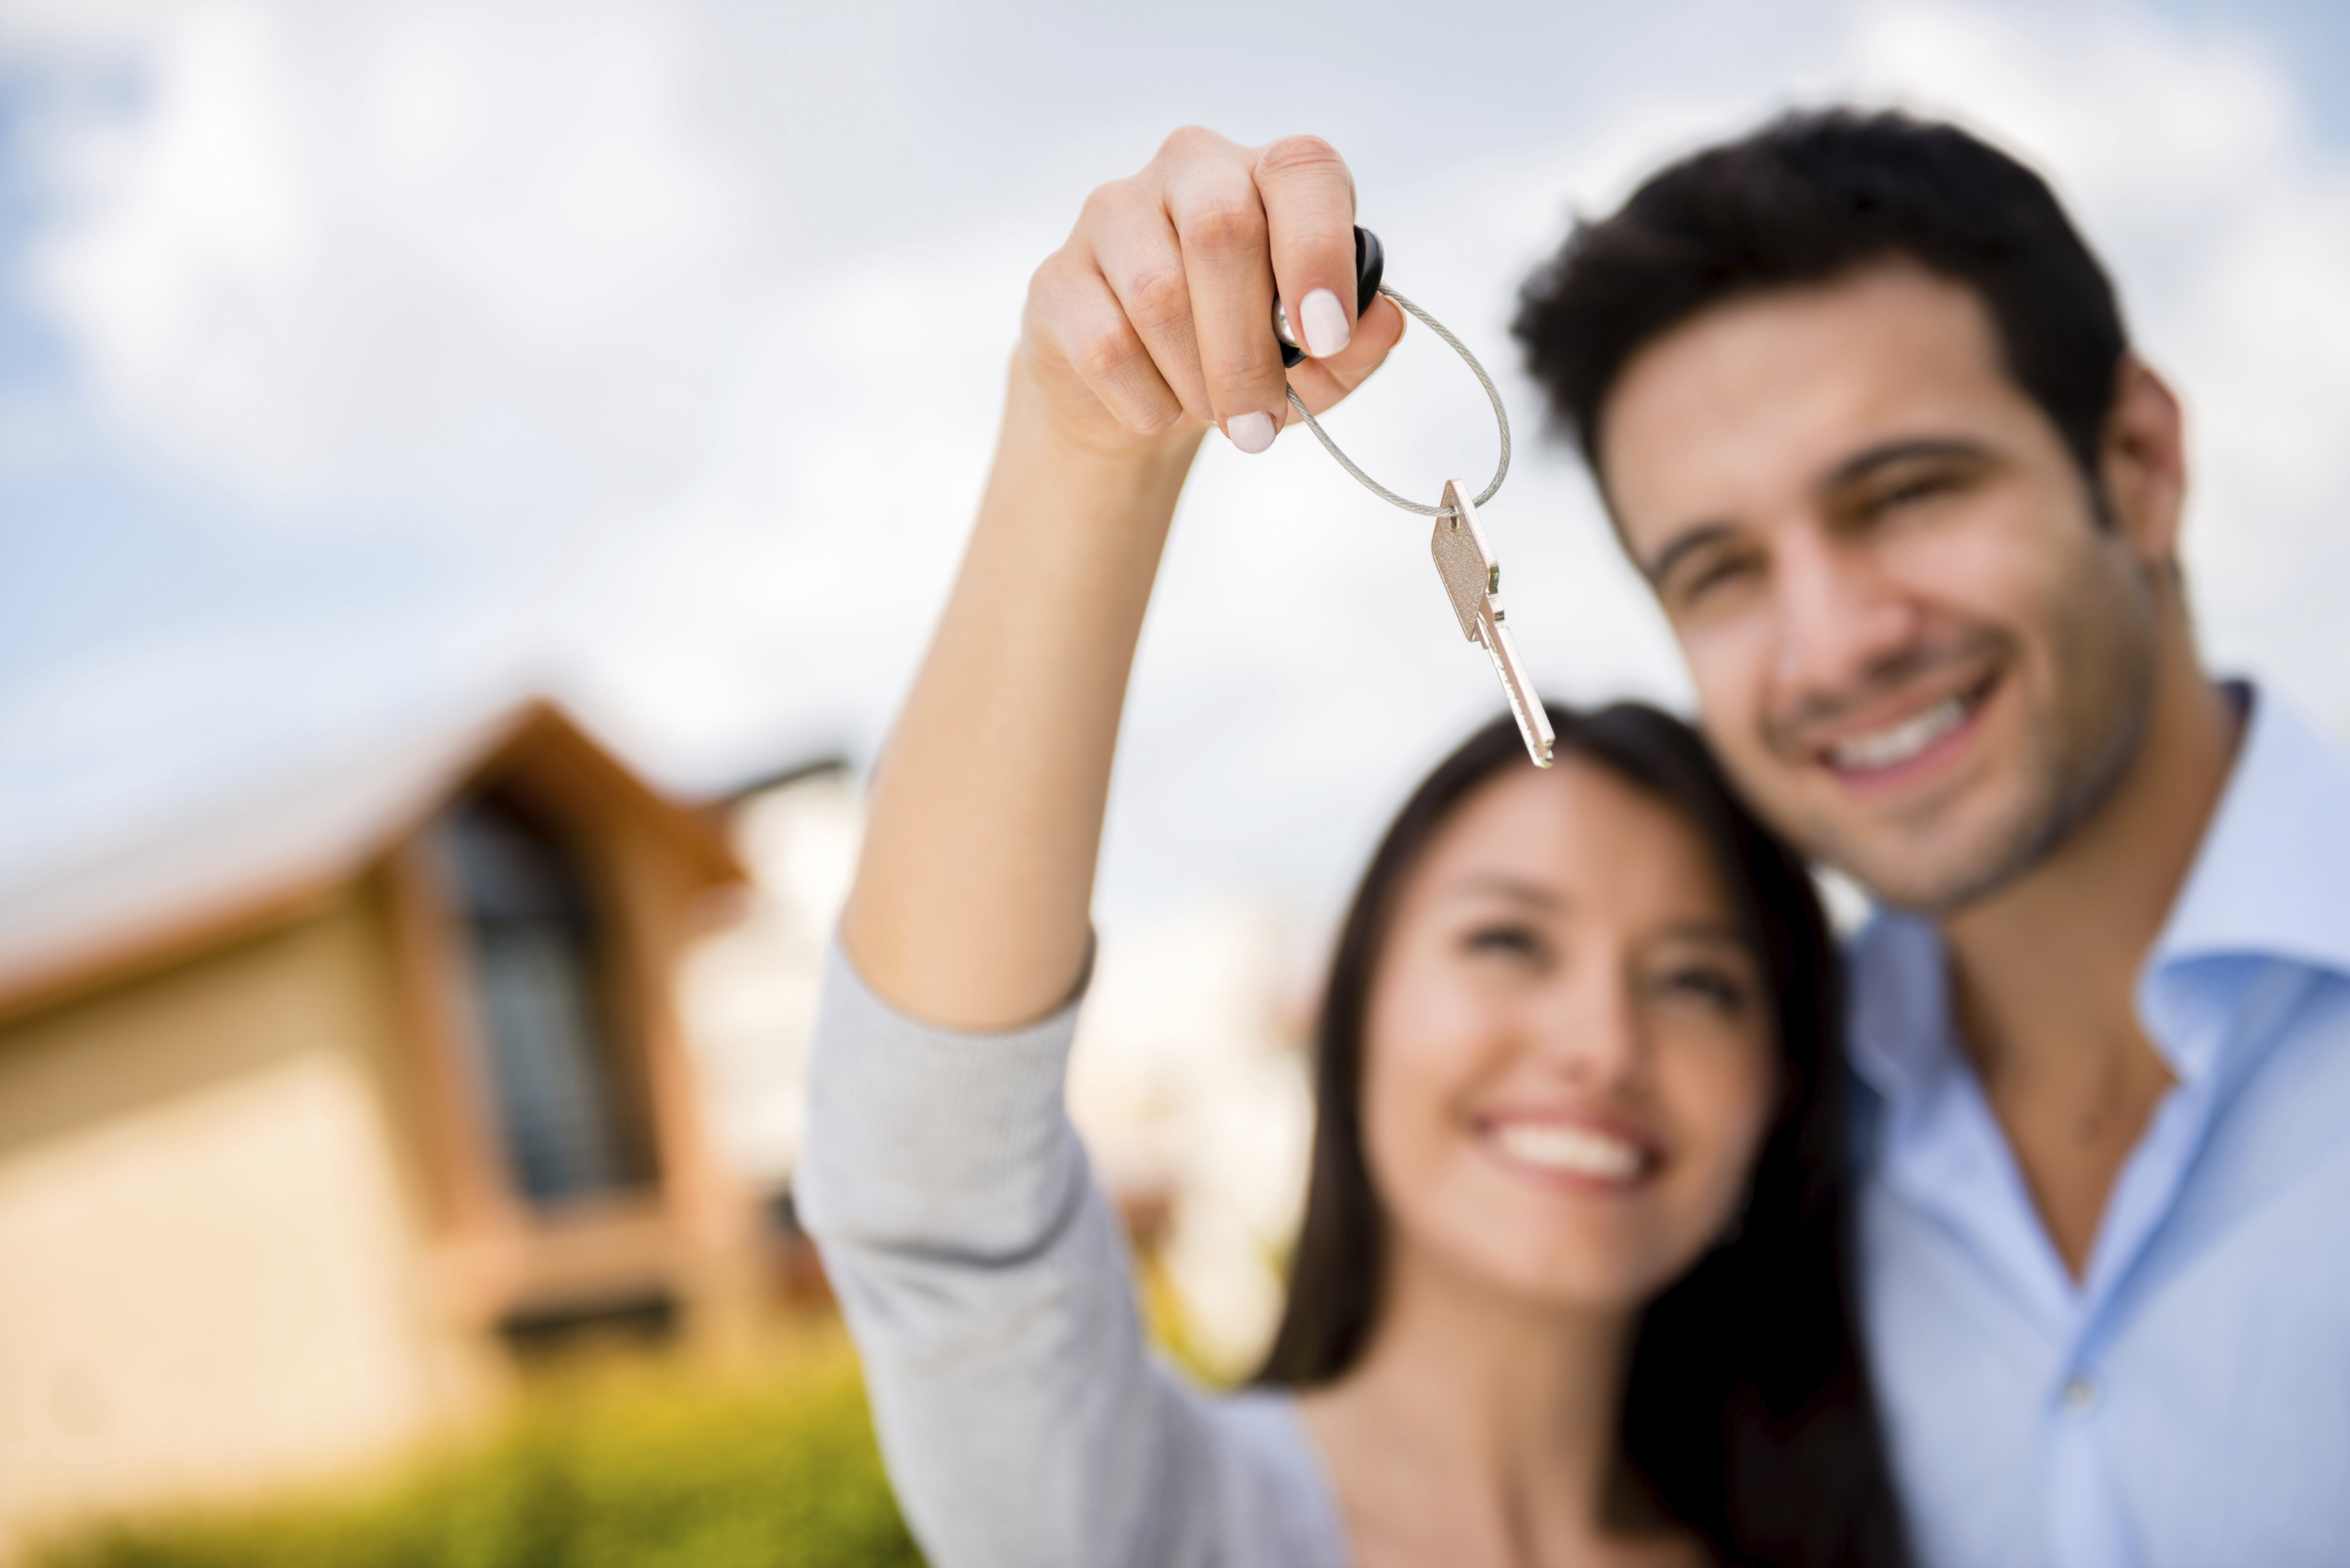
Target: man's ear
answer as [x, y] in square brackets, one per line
[2144, 462]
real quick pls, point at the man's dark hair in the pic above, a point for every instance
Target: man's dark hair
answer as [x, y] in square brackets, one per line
[1806, 198]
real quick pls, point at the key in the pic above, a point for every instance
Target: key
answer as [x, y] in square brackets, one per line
[1472, 577]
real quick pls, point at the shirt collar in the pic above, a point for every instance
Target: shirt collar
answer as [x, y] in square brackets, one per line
[2272, 877]
[2271, 880]
[1897, 1013]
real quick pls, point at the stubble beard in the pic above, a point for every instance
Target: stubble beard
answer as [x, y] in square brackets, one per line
[2080, 744]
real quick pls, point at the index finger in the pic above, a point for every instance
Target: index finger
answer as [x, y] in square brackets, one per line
[1309, 211]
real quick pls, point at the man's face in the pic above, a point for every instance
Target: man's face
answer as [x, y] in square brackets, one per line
[1915, 647]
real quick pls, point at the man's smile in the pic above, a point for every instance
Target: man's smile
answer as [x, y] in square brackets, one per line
[1901, 740]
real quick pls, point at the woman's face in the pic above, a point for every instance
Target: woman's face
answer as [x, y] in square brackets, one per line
[1568, 1065]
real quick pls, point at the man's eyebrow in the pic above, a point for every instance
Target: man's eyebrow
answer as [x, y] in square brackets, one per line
[1862, 464]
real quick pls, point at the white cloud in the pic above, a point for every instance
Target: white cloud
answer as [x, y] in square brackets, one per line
[707, 448]
[202, 196]
[481, 253]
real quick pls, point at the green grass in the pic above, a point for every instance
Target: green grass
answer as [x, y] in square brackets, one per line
[622, 1466]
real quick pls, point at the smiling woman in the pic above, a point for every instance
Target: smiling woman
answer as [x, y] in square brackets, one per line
[1506, 906]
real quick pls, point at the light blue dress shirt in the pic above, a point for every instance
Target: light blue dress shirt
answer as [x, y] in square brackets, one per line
[2188, 1402]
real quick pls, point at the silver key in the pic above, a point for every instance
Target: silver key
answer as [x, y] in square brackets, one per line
[1472, 577]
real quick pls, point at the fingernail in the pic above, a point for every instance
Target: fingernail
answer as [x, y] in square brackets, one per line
[1251, 432]
[1326, 332]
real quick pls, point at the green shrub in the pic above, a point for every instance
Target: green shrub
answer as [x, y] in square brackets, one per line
[620, 1466]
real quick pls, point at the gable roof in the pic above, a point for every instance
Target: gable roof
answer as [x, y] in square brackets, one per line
[272, 854]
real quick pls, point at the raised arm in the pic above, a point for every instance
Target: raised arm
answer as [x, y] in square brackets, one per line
[1150, 325]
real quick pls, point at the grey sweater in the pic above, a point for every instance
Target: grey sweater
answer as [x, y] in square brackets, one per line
[1026, 1421]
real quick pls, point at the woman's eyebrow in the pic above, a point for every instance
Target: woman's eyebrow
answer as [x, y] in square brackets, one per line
[1709, 931]
[1517, 889]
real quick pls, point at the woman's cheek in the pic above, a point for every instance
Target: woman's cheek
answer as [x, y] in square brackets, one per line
[1725, 1092]
[1420, 1055]
[1415, 1016]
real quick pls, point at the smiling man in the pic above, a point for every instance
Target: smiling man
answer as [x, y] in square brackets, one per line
[1864, 413]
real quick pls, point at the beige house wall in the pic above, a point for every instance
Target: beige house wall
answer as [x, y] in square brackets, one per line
[210, 1271]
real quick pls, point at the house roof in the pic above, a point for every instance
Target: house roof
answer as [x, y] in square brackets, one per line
[270, 854]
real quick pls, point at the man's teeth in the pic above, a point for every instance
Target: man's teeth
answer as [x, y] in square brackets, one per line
[1899, 742]
[1579, 1151]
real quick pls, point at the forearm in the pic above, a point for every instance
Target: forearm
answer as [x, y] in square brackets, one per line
[971, 902]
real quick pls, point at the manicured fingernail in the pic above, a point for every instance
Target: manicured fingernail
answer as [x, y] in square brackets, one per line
[1251, 432]
[1326, 332]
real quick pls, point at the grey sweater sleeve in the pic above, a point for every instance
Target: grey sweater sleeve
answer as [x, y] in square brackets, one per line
[1024, 1422]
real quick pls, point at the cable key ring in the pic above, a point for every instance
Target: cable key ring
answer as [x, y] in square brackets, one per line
[1464, 561]
[1370, 262]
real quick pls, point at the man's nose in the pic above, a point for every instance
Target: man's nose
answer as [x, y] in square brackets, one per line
[1840, 618]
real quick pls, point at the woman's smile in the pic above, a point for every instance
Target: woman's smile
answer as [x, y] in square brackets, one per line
[1580, 1150]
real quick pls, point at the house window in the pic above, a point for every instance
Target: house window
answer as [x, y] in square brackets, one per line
[543, 1008]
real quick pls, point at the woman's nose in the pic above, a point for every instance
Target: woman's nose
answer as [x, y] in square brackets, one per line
[1593, 1033]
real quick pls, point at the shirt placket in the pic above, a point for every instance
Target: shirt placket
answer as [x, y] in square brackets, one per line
[2199, 1031]
[1950, 1160]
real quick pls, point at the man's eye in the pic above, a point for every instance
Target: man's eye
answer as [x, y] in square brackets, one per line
[1910, 492]
[1710, 576]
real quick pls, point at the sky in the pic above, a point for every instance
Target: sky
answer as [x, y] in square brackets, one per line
[364, 365]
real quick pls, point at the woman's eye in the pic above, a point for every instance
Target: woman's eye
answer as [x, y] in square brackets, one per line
[1712, 987]
[1503, 942]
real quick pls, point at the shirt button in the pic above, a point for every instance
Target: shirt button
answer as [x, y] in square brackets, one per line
[2081, 1395]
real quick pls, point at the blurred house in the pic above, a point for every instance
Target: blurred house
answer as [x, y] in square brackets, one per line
[319, 1118]
[747, 989]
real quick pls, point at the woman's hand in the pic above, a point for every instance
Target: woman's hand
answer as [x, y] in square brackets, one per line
[1156, 318]
[1155, 321]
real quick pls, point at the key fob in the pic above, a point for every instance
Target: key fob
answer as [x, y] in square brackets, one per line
[1370, 262]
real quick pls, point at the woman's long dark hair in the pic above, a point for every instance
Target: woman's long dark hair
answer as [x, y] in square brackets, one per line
[1746, 1412]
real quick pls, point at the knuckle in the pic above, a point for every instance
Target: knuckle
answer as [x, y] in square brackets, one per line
[1102, 202]
[1295, 155]
[1161, 414]
[1105, 356]
[1161, 299]
[1238, 385]
[1049, 285]
[1225, 223]
[1190, 140]
[1048, 273]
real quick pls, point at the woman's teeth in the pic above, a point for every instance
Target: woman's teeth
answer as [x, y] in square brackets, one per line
[1578, 1151]
[1899, 742]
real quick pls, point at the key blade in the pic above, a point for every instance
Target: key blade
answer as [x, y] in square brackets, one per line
[1463, 560]
[1533, 721]
[1472, 577]
[1464, 517]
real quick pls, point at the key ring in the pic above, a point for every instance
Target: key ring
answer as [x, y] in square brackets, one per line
[1500, 415]
[1471, 575]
